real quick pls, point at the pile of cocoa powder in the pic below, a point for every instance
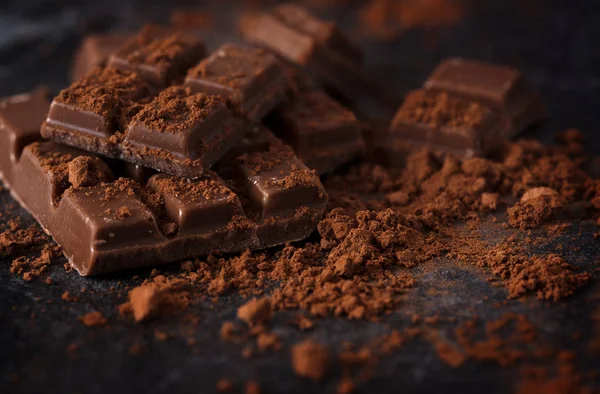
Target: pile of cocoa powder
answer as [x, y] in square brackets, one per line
[385, 223]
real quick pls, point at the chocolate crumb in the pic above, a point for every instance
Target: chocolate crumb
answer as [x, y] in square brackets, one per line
[88, 171]
[224, 385]
[256, 312]
[310, 360]
[93, 319]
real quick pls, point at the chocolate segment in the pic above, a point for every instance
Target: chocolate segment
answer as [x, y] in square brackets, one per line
[251, 79]
[160, 55]
[324, 134]
[324, 32]
[444, 122]
[293, 33]
[97, 105]
[204, 204]
[113, 112]
[20, 119]
[94, 51]
[264, 197]
[179, 122]
[502, 88]
[283, 196]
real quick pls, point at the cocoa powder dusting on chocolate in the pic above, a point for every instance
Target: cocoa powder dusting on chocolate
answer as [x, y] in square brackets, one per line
[88, 171]
[106, 92]
[154, 46]
[208, 187]
[177, 110]
[440, 110]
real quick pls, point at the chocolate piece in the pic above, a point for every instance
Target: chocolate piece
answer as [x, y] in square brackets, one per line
[251, 79]
[444, 122]
[323, 134]
[105, 225]
[293, 33]
[161, 55]
[283, 196]
[502, 88]
[94, 51]
[20, 119]
[112, 112]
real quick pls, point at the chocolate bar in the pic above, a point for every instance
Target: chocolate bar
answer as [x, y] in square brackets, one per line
[160, 55]
[262, 198]
[293, 33]
[94, 51]
[113, 112]
[251, 79]
[502, 88]
[324, 134]
[442, 122]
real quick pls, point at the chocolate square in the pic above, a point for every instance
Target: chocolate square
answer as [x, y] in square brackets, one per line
[251, 79]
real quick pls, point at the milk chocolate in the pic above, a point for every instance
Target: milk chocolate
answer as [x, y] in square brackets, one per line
[250, 79]
[263, 198]
[94, 51]
[160, 55]
[297, 36]
[114, 112]
[324, 134]
[502, 88]
[442, 122]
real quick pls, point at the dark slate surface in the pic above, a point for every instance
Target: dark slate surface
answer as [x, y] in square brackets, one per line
[555, 45]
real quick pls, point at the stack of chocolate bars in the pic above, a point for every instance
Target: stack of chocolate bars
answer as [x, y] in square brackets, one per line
[160, 151]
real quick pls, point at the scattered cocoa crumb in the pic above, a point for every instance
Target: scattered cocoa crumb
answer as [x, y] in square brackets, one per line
[224, 385]
[256, 312]
[159, 296]
[66, 296]
[303, 323]
[537, 205]
[345, 386]
[160, 335]
[310, 360]
[446, 351]
[15, 239]
[93, 318]
[251, 387]
[30, 267]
